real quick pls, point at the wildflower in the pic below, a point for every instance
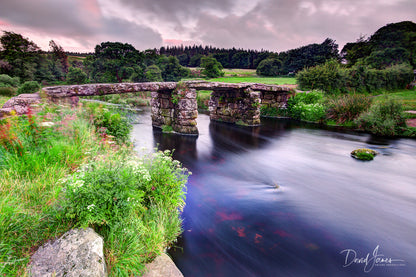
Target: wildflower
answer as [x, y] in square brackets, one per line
[90, 207]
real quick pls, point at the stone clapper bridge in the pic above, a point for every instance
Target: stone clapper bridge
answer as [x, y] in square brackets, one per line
[175, 104]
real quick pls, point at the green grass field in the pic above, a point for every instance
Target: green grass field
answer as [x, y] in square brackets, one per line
[407, 97]
[256, 79]
[3, 99]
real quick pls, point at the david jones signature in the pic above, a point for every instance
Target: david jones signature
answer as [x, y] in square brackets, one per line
[369, 261]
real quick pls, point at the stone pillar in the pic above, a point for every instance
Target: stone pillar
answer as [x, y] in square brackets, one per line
[239, 106]
[162, 108]
[185, 111]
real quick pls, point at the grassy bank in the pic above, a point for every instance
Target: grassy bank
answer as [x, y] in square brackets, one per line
[382, 114]
[65, 168]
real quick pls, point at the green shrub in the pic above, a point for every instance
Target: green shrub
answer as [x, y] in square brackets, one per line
[302, 98]
[28, 87]
[347, 107]
[153, 74]
[76, 76]
[111, 123]
[273, 111]
[329, 77]
[7, 91]
[269, 67]
[211, 67]
[133, 202]
[7, 81]
[384, 119]
[309, 112]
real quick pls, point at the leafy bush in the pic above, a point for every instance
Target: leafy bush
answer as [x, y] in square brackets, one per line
[328, 77]
[384, 119]
[8, 85]
[28, 87]
[306, 106]
[269, 67]
[7, 81]
[111, 123]
[211, 67]
[76, 76]
[331, 77]
[347, 107]
[273, 111]
[309, 112]
[134, 202]
[153, 74]
[7, 91]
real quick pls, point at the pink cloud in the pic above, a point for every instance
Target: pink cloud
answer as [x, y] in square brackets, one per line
[4, 23]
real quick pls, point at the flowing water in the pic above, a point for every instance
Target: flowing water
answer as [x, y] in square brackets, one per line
[286, 199]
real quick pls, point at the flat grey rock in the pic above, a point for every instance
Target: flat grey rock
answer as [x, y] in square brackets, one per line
[78, 252]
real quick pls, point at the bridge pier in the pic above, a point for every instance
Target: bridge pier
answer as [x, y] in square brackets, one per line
[176, 108]
[238, 105]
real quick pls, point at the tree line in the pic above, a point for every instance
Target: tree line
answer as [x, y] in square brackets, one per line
[117, 62]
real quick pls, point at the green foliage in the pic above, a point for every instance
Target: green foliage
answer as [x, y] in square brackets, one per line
[347, 107]
[172, 71]
[273, 111]
[387, 57]
[132, 202]
[328, 77]
[112, 62]
[364, 154]
[76, 76]
[28, 87]
[391, 44]
[111, 123]
[20, 54]
[306, 106]
[7, 81]
[384, 119]
[153, 74]
[269, 67]
[167, 129]
[212, 68]
[333, 78]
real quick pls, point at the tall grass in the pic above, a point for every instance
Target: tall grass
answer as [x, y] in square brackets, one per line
[44, 157]
[346, 107]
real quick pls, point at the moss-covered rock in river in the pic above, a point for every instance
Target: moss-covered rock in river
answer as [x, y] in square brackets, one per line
[364, 154]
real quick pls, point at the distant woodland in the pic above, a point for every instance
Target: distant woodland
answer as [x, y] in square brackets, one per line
[117, 61]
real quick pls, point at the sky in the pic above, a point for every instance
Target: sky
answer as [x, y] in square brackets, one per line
[275, 25]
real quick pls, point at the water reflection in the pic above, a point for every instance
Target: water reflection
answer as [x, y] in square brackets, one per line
[285, 199]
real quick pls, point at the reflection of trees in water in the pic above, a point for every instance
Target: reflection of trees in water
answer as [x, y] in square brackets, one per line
[184, 146]
[233, 138]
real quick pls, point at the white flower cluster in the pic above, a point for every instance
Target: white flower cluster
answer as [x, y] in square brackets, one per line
[138, 168]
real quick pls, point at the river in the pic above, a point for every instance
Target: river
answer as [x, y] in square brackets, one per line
[287, 199]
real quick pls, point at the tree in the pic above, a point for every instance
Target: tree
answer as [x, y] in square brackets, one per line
[153, 73]
[387, 57]
[76, 76]
[59, 54]
[269, 67]
[211, 67]
[172, 71]
[20, 54]
[111, 61]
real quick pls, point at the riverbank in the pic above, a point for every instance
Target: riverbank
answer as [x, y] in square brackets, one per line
[63, 168]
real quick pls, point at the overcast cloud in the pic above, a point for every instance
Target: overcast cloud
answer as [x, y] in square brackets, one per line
[277, 25]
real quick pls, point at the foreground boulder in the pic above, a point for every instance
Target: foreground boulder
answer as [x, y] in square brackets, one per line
[78, 252]
[162, 266]
[20, 104]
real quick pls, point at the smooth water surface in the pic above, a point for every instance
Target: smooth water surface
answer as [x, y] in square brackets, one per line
[288, 200]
